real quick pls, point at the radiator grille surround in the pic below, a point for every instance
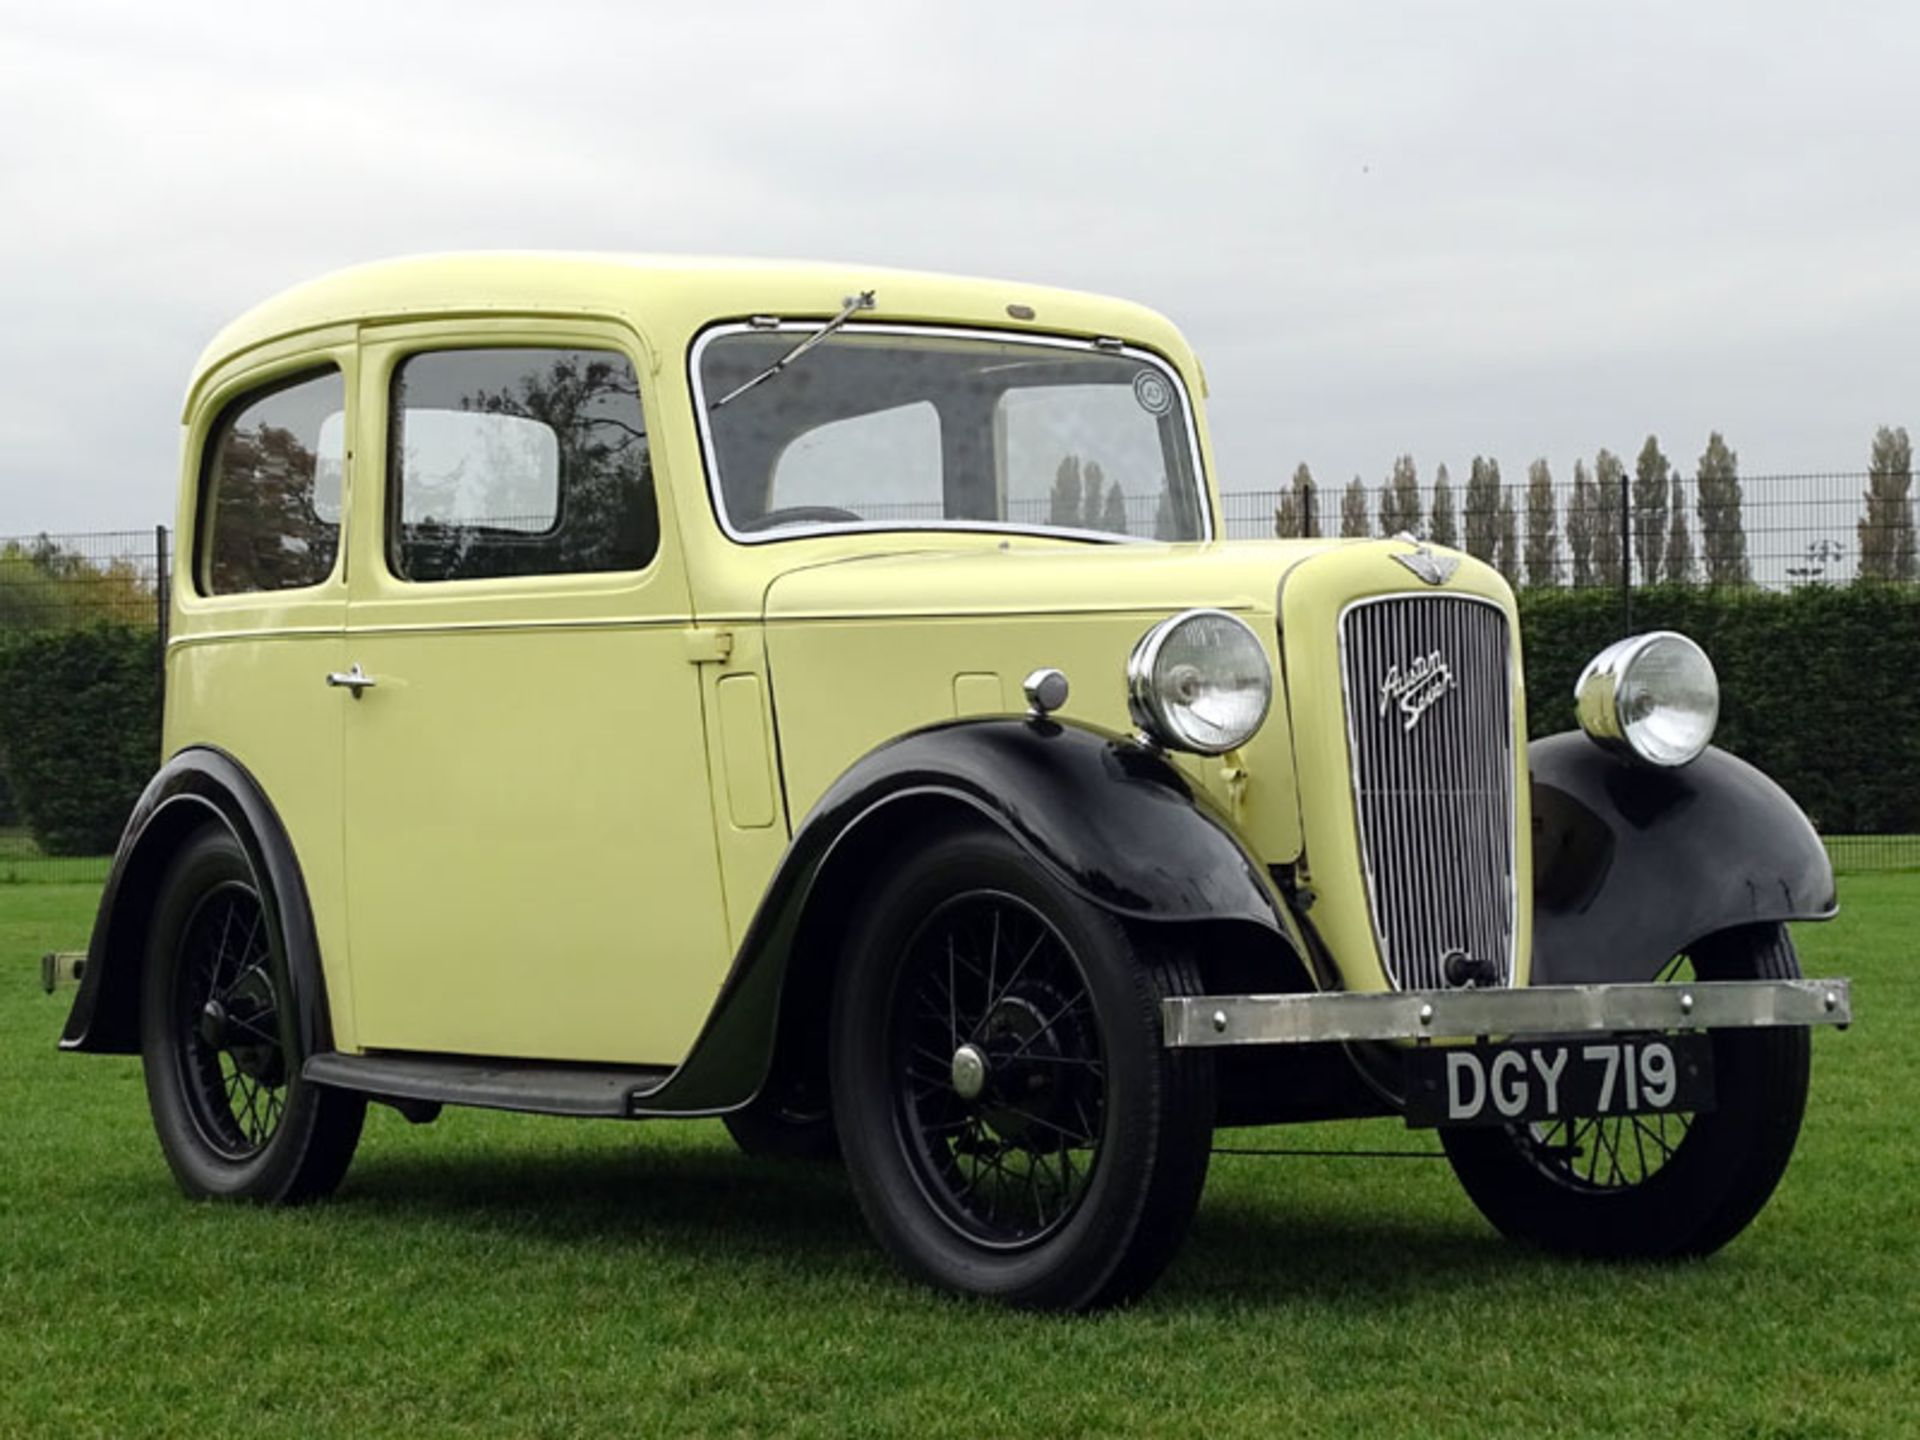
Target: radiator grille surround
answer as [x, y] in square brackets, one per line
[1427, 686]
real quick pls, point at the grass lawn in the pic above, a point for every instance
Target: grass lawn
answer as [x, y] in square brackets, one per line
[495, 1274]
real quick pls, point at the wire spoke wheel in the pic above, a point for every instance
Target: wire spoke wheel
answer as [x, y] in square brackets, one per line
[1001, 1093]
[227, 1007]
[1610, 1152]
[1659, 1184]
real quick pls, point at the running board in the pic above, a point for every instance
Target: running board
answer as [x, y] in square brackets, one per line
[536, 1087]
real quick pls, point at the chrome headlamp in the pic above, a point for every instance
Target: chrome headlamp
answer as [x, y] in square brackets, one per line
[1199, 681]
[1652, 697]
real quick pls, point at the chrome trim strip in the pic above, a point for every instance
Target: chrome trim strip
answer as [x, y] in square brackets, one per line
[1206, 1021]
[953, 332]
[1391, 911]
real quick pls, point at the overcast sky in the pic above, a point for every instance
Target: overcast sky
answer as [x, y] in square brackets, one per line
[1518, 229]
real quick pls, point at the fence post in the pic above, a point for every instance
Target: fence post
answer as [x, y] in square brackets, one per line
[162, 595]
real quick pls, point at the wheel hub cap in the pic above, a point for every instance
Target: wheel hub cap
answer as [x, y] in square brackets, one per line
[213, 1024]
[969, 1072]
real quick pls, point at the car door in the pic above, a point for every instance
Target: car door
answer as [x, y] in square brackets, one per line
[531, 862]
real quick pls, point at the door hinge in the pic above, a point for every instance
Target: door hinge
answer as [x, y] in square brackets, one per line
[709, 647]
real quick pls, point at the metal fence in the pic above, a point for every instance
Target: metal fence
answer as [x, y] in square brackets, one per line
[1776, 531]
[1773, 530]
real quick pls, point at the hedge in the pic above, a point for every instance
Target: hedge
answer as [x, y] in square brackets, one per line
[1819, 686]
[79, 731]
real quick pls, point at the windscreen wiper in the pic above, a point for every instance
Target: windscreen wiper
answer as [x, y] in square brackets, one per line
[854, 303]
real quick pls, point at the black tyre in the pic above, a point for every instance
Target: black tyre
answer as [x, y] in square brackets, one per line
[1651, 1186]
[220, 1042]
[786, 1122]
[1011, 1122]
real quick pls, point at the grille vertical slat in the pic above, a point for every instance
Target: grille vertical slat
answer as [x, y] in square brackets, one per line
[1434, 799]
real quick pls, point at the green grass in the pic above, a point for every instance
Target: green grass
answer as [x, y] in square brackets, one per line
[494, 1274]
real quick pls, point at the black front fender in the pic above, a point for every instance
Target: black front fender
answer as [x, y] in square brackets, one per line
[1105, 816]
[1632, 864]
[197, 787]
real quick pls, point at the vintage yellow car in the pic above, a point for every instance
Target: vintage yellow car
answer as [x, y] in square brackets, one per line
[824, 697]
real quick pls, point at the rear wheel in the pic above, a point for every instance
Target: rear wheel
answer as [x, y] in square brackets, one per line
[1012, 1124]
[1655, 1186]
[220, 1042]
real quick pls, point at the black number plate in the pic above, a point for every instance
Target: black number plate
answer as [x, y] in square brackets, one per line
[1553, 1079]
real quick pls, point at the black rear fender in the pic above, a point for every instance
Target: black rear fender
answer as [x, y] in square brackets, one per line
[196, 788]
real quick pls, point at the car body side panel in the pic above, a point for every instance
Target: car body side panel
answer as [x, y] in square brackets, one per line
[1632, 864]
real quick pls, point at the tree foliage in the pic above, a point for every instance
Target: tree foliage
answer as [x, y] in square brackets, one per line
[1609, 489]
[1353, 509]
[1506, 545]
[1679, 556]
[1294, 515]
[1723, 535]
[1651, 472]
[1886, 530]
[1543, 536]
[1400, 499]
[1063, 501]
[1444, 529]
[1483, 508]
[44, 586]
[1580, 510]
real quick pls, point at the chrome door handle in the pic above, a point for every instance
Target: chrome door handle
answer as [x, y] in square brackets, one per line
[355, 679]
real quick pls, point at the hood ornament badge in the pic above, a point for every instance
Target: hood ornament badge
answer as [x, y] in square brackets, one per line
[1432, 568]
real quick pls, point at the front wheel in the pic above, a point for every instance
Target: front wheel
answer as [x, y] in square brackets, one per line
[219, 1038]
[1012, 1123]
[1657, 1186]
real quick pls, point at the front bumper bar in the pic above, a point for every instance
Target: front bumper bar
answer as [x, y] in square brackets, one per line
[1192, 1021]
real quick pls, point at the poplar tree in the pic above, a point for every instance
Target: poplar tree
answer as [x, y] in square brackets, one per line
[1609, 481]
[1650, 522]
[1113, 519]
[1679, 557]
[1886, 530]
[1293, 515]
[1400, 499]
[1093, 507]
[1063, 504]
[1580, 510]
[1723, 536]
[1445, 526]
[1543, 538]
[1353, 509]
[1507, 541]
[1483, 507]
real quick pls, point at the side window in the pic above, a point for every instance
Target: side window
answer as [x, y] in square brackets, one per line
[518, 462]
[270, 493]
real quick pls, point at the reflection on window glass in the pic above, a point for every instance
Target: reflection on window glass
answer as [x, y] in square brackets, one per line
[270, 516]
[862, 468]
[890, 429]
[518, 462]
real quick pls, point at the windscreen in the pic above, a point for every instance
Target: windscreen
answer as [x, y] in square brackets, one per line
[899, 429]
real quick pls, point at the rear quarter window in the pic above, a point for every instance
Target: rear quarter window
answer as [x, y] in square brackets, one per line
[270, 493]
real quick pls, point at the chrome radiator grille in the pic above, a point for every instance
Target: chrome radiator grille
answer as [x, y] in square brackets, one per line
[1429, 705]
